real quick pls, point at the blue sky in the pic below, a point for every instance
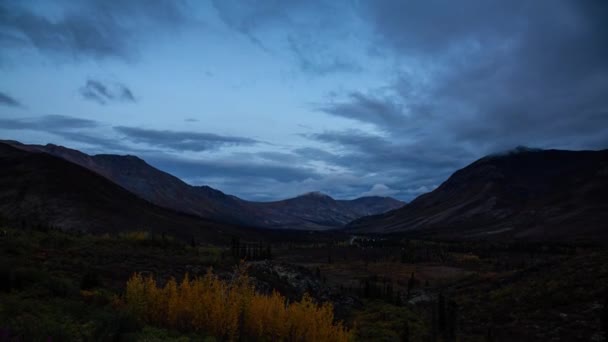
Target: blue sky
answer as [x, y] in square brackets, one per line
[270, 99]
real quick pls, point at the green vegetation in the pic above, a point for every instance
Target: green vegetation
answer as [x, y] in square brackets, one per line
[68, 286]
[381, 321]
[71, 287]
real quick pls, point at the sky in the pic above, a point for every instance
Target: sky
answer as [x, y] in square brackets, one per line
[270, 99]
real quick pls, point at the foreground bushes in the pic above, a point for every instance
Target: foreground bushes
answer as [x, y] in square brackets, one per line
[231, 309]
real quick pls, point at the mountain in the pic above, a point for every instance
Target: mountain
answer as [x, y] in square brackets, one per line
[316, 210]
[525, 194]
[41, 189]
[311, 211]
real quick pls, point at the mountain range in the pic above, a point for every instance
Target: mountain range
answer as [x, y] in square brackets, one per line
[312, 211]
[542, 195]
[526, 194]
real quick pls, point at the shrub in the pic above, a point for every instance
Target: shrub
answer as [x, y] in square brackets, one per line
[90, 280]
[230, 309]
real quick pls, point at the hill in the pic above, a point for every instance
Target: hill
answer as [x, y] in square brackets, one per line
[40, 189]
[525, 194]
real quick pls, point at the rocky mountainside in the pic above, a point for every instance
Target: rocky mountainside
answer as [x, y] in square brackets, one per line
[525, 194]
[166, 190]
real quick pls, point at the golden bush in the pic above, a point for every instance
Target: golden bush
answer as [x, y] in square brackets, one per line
[229, 309]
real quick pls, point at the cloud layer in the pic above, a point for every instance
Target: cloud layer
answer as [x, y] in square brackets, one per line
[88, 29]
[393, 96]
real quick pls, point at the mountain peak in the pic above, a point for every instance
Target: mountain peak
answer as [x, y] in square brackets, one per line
[315, 194]
[517, 150]
[127, 157]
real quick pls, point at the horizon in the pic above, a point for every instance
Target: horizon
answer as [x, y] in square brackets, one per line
[518, 149]
[270, 100]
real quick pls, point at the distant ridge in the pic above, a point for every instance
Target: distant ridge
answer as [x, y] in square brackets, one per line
[313, 210]
[317, 194]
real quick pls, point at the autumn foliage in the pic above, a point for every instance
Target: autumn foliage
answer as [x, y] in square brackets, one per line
[231, 309]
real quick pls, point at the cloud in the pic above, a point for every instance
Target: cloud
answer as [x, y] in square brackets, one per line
[8, 100]
[72, 129]
[90, 29]
[48, 123]
[383, 112]
[316, 58]
[491, 75]
[472, 78]
[181, 140]
[449, 82]
[308, 31]
[102, 93]
[380, 190]
[230, 168]
[398, 164]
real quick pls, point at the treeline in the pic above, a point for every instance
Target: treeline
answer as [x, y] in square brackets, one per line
[231, 310]
[250, 251]
[383, 288]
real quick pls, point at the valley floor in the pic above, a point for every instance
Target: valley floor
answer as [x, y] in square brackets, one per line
[71, 286]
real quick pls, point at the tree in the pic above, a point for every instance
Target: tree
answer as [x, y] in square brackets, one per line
[441, 314]
[452, 320]
[410, 285]
[405, 331]
[231, 309]
[90, 280]
[604, 319]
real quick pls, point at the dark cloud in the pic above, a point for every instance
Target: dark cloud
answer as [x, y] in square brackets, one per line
[48, 123]
[231, 168]
[301, 24]
[70, 128]
[103, 93]
[99, 144]
[437, 26]
[92, 29]
[399, 166]
[474, 78]
[8, 100]
[467, 79]
[383, 112]
[316, 58]
[181, 140]
[312, 153]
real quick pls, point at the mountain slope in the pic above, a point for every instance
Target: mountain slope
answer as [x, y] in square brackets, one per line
[525, 194]
[166, 190]
[38, 188]
[319, 211]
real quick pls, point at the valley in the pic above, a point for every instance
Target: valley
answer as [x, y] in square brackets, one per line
[303, 171]
[441, 268]
[381, 289]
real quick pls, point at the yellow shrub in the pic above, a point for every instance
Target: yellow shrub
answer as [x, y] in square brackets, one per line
[135, 235]
[229, 309]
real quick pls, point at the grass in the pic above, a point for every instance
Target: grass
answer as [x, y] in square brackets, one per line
[66, 285]
[380, 321]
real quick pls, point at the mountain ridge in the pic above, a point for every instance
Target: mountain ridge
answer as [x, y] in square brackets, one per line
[529, 194]
[163, 189]
[39, 189]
